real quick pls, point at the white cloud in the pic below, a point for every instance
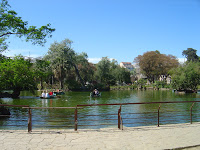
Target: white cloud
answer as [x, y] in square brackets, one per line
[182, 60]
[23, 52]
[94, 60]
[9, 53]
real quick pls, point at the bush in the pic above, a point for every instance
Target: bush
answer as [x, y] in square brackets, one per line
[160, 84]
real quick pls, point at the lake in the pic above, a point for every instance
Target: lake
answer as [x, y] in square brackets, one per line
[101, 116]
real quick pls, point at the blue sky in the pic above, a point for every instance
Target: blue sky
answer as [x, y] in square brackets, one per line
[119, 29]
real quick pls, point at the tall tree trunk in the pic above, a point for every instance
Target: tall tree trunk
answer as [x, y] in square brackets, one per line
[52, 80]
[61, 77]
[77, 73]
[41, 84]
[79, 76]
[61, 84]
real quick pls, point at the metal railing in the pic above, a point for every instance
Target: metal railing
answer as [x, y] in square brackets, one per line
[112, 117]
[30, 115]
[18, 121]
[120, 118]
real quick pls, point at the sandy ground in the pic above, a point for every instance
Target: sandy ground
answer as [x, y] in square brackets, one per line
[176, 136]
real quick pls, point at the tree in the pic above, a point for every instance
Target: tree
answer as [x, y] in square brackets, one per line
[42, 70]
[81, 76]
[109, 72]
[190, 54]
[153, 64]
[11, 24]
[57, 55]
[186, 77]
[85, 68]
[63, 59]
[16, 74]
[141, 83]
[122, 75]
[103, 72]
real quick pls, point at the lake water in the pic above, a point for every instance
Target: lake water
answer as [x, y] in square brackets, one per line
[101, 116]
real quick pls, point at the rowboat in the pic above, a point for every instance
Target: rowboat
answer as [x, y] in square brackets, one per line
[58, 93]
[94, 95]
[50, 97]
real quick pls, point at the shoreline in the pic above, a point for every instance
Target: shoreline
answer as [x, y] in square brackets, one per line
[172, 136]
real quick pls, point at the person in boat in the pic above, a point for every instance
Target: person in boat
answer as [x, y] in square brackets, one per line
[50, 93]
[95, 92]
[58, 92]
[43, 94]
[47, 95]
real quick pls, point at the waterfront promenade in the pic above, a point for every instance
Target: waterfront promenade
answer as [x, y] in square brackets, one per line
[176, 136]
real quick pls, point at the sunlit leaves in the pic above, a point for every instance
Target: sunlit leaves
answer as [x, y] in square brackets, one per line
[62, 59]
[11, 24]
[16, 73]
[108, 72]
[186, 76]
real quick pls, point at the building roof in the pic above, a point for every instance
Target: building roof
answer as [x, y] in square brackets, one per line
[127, 63]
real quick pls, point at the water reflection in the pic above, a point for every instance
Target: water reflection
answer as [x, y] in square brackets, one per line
[133, 115]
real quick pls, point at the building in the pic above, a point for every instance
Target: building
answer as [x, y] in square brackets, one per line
[127, 65]
[139, 76]
[138, 73]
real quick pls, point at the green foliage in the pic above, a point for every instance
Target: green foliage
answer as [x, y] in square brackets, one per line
[153, 64]
[190, 54]
[102, 87]
[109, 72]
[11, 24]
[86, 69]
[73, 85]
[103, 72]
[16, 74]
[122, 75]
[160, 84]
[42, 71]
[126, 87]
[61, 56]
[141, 83]
[186, 76]
[64, 62]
